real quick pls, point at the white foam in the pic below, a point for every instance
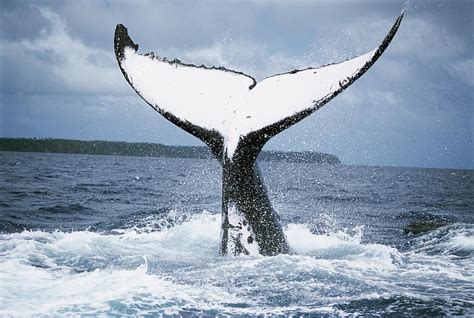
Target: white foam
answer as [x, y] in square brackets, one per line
[35, 291]
[461, 241]
[342, 247]
[177, 268]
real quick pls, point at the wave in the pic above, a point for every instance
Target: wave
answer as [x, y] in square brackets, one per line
[454, 239]
[171, 266]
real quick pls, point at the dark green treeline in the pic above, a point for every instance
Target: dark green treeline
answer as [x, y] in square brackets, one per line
[145, 149]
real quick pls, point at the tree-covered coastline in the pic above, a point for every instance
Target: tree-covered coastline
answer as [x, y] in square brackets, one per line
[121, 148]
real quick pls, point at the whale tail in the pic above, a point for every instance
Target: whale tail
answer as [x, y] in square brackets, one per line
[227, 109]
[235, 116]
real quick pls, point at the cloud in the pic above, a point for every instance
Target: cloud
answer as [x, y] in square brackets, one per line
[65, 62]
[462, 70]
[243, 55]
[426, 39]
[30, 25]
[420, 37]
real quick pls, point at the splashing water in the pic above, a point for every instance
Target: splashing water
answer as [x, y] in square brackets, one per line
[174, 269]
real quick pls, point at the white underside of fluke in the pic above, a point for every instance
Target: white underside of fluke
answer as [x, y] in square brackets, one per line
[221, 100]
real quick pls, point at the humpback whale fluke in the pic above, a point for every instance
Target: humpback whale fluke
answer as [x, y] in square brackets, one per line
[235, 116]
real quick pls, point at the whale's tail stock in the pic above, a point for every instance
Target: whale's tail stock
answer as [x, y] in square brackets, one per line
[235, 116]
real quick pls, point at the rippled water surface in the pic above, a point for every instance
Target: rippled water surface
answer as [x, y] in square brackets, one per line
[140, 236]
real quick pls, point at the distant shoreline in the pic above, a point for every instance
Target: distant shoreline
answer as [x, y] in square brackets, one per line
[121, 148]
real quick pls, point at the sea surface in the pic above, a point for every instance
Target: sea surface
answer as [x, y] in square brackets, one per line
[111, 235]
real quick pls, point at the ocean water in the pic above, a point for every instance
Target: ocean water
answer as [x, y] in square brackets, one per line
[110, 235]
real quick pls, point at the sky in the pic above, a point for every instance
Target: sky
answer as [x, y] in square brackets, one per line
[59, 77]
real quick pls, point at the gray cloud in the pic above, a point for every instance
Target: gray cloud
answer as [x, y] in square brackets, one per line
[20, 20]
[55, 61]
[462, 70]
